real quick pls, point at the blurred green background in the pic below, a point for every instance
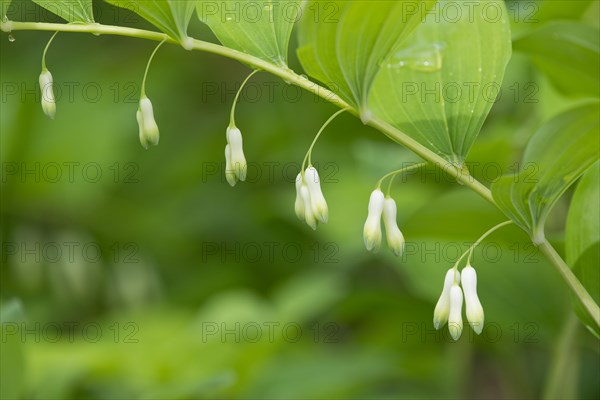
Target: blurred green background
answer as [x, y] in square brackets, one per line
[141, 274]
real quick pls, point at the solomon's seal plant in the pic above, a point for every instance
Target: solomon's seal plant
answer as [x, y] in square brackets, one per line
[364, 57]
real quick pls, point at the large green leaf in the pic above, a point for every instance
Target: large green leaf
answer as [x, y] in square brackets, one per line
[71, 10]
[170, 16]
[439, 86]
[564, 50]
[261, 28]
[583, 229]
[555, 157]
[344, 43]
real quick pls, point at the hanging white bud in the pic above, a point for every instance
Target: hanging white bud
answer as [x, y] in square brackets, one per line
[309, 216]
[318, 204]
[395, 239]
[229, 173]
[372, 228]
[48, 100]
[455, 323]
[238, 160]
[299, 205]
[149, 134]
[442, 308]
[472, 304]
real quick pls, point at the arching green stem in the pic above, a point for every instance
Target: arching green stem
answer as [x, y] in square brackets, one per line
[393, 174]
[237, 96]
[143, 94]
[46, 50]
[478, 242]
[308, 155]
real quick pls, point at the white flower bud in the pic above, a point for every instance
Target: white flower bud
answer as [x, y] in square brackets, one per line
[309, 217]
[48, 100]
[229, 173]
[299, 205]
[372, 228]
[318, 204]
[442, 308]
[395, 239]
[455, 323]
[149, 134]
[472, 304]
[238, 160]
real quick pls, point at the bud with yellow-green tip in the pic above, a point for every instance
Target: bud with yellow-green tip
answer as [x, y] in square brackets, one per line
[473, 305]
[372, 228]
[48, 100]
[149, 134]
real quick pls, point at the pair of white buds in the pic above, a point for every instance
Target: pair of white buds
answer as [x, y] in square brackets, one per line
[48, 100]
[378, 206]
[235, 161]
[449, 306]
[310, 205]
[149, 134]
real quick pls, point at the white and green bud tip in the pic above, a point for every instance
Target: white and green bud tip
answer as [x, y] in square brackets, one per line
[236, 167]
[48, 100]
[310, 205]
[455, 322]
[473, 305]
[395, 239]
[149, 134]
[372, 228]
[318, 204]
[442, 308]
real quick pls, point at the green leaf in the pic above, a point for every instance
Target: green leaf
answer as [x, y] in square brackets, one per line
[563, 50]
[343, 43]
[555, 157]
[440, 85]
[583, 229]
[170, 16]
[71, 11]
[261, 28]
[587, 271]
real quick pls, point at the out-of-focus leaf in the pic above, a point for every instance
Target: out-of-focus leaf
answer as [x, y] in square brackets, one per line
[557, 9]
[170, 16]
[261, 28]
[440, 85]
[565, 50]
[583, 221]
[12, 364]
[555, 157]
[71, 11]
[345, 44]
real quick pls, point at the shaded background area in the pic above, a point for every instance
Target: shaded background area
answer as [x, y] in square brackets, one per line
[141, 274]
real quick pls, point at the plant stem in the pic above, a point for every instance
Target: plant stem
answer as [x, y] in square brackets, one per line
[286, 74]
[308, 155]
[237, 96]
[569, 277]
[461, 175]
[143, 94]
[478, 242]
[46, 50]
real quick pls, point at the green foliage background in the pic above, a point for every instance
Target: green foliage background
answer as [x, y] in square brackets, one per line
[366, 319]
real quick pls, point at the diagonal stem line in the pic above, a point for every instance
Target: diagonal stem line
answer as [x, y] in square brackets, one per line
[461, 175]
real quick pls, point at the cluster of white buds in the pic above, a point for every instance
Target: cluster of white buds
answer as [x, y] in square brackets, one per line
[149, 134]
[235, 161]
[380, 206]
[310, 205]
[48, 100]
[449, 306]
